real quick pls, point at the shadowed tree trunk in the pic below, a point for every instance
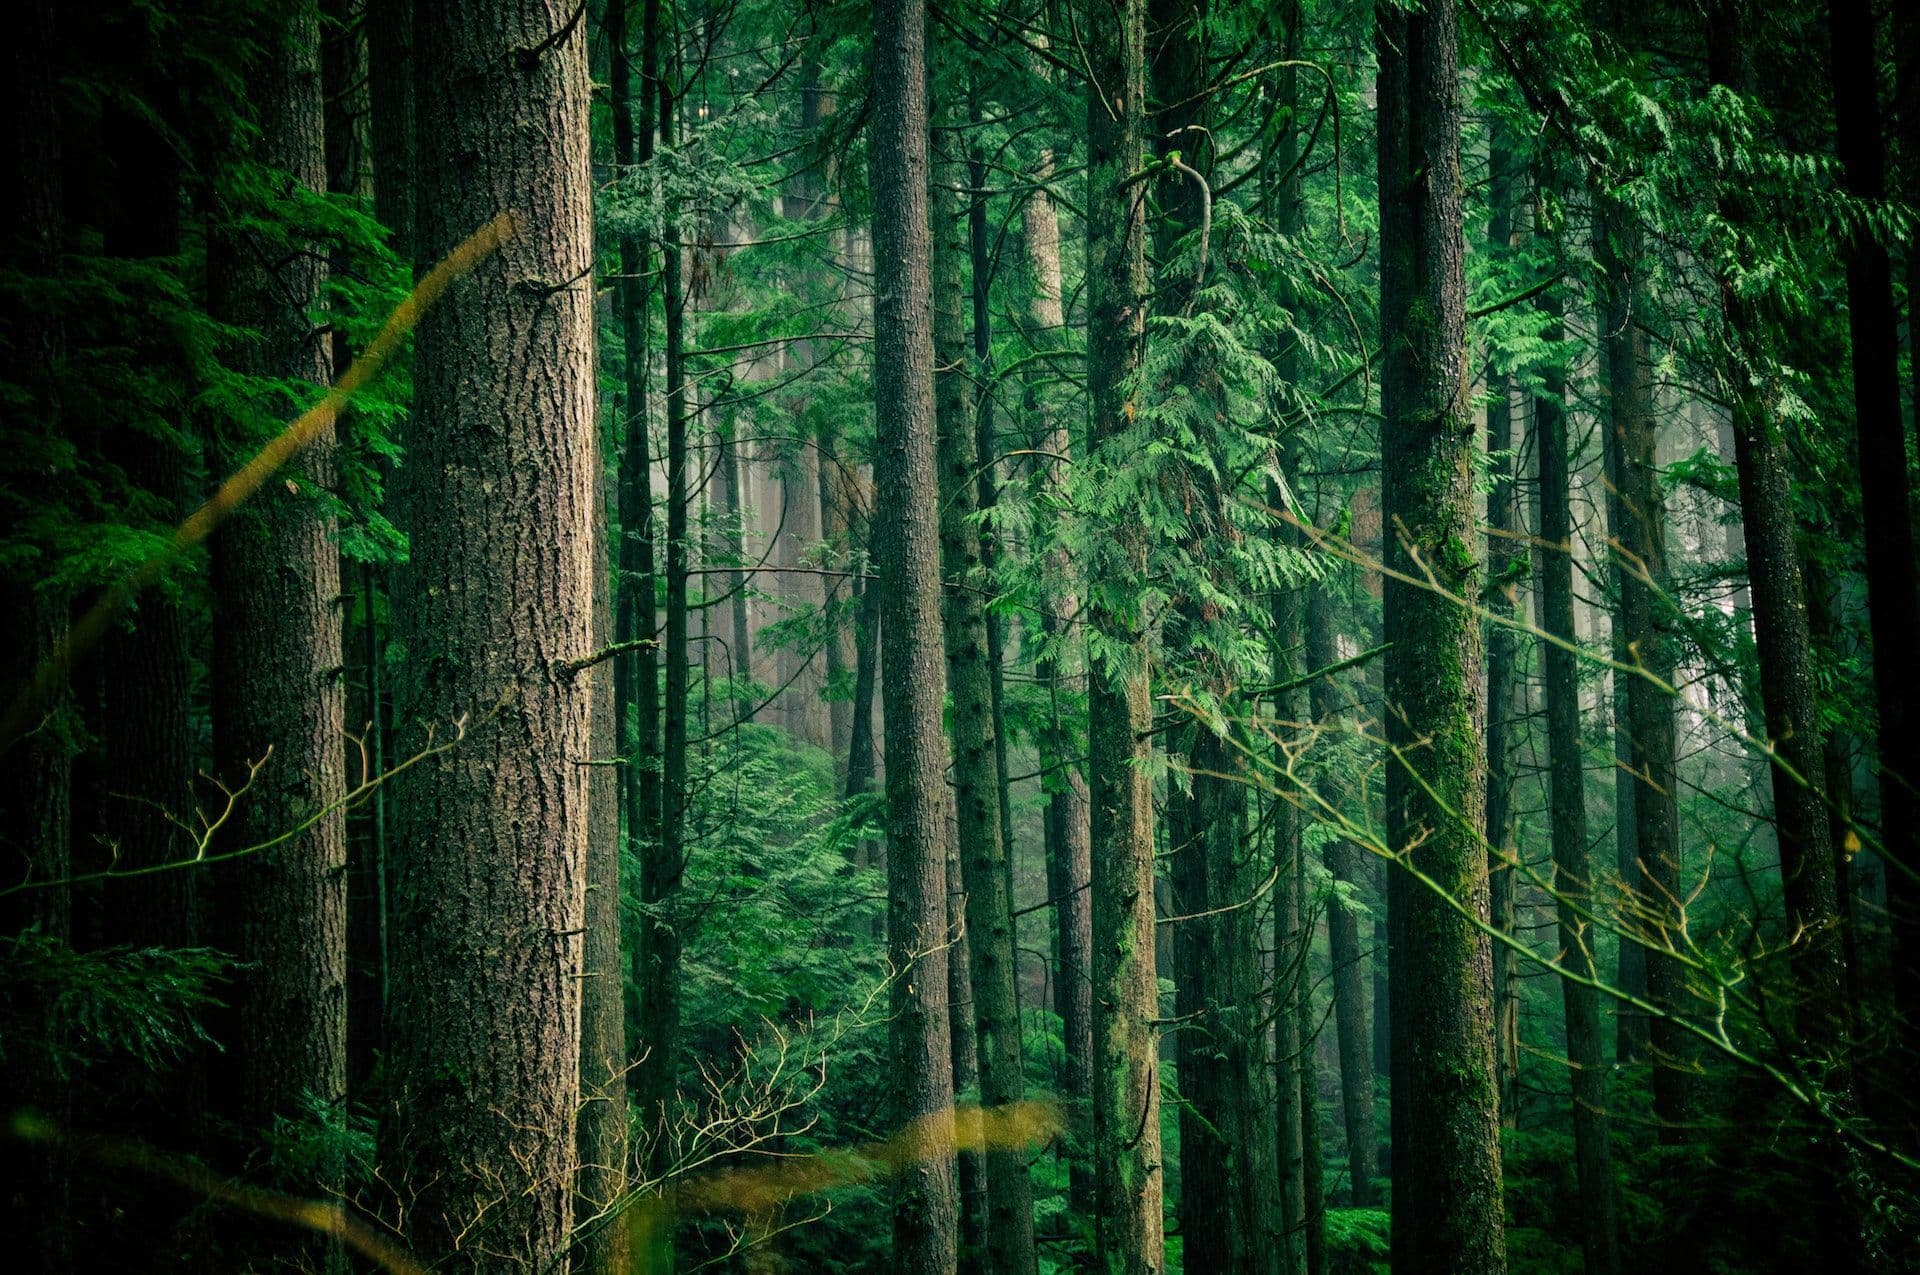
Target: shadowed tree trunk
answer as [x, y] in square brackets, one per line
[907, 554]
[1567, 814]
[637, 681]
[1812, 1000]
[1447, 1211]
[1893, 603]
[1506, 564]
[278, 698]
[495, 604]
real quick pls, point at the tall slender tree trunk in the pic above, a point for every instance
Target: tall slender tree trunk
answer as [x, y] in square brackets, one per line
[1126, 1080]
[970, 1177]
[1343, 927]
[976, 745]
[494, 607]
[1893, 602]
[907, 548]
[1780, 618]
[1567, 820]
[1644, 774]
[1506, 562]
[1447, 1210]
[1815, 994]
[637, 683]
[1066, 831]
[279, 702]
[734, 514]
[663, 857]
[1290, 948]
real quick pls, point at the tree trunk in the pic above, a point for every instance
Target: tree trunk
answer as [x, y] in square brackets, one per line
[1893, 603]
[491, 837]
[1645, 777]
[1815, 998]
[972, 1182]
[390, 93]
[637, 683]
[663, 857]
[1567, 818]
[1289, 942]
[907, 547]
[1506, 563]
[278, 700]
[734, 514]
[976, 782]
[1067, 844]
[1126, 1080]
[1447, 1211]
[1343, 926]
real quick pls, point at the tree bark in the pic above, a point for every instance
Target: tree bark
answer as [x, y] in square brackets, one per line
[1506, 563]
[1126, 1099]
[663, 857]
[1893, 602]
[491, 837]
[976, 744]
[1068, 847]
[278, 699]
[907, 547]
[1447, 1209]
[1351, 1024]
[1290, 945]
[1567, 819]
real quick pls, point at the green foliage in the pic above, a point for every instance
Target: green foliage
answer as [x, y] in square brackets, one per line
[67, 1013]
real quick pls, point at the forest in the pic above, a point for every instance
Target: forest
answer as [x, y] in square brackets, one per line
[960, 637]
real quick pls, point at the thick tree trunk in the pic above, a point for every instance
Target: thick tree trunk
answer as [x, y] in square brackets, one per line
[278, 699]
[1447, 1211]
[976, 776]
[1567, 819]
[491, 838]
[1893, 603]
[907, 549]
[1126, 1080]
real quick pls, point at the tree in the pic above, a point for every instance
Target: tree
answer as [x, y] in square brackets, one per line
[976, 786]
[278, 704]
[1447, 1213]
[494, 611]
[1567, 796]
[1894, 601]
[906, 551]
[1126, 1083]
